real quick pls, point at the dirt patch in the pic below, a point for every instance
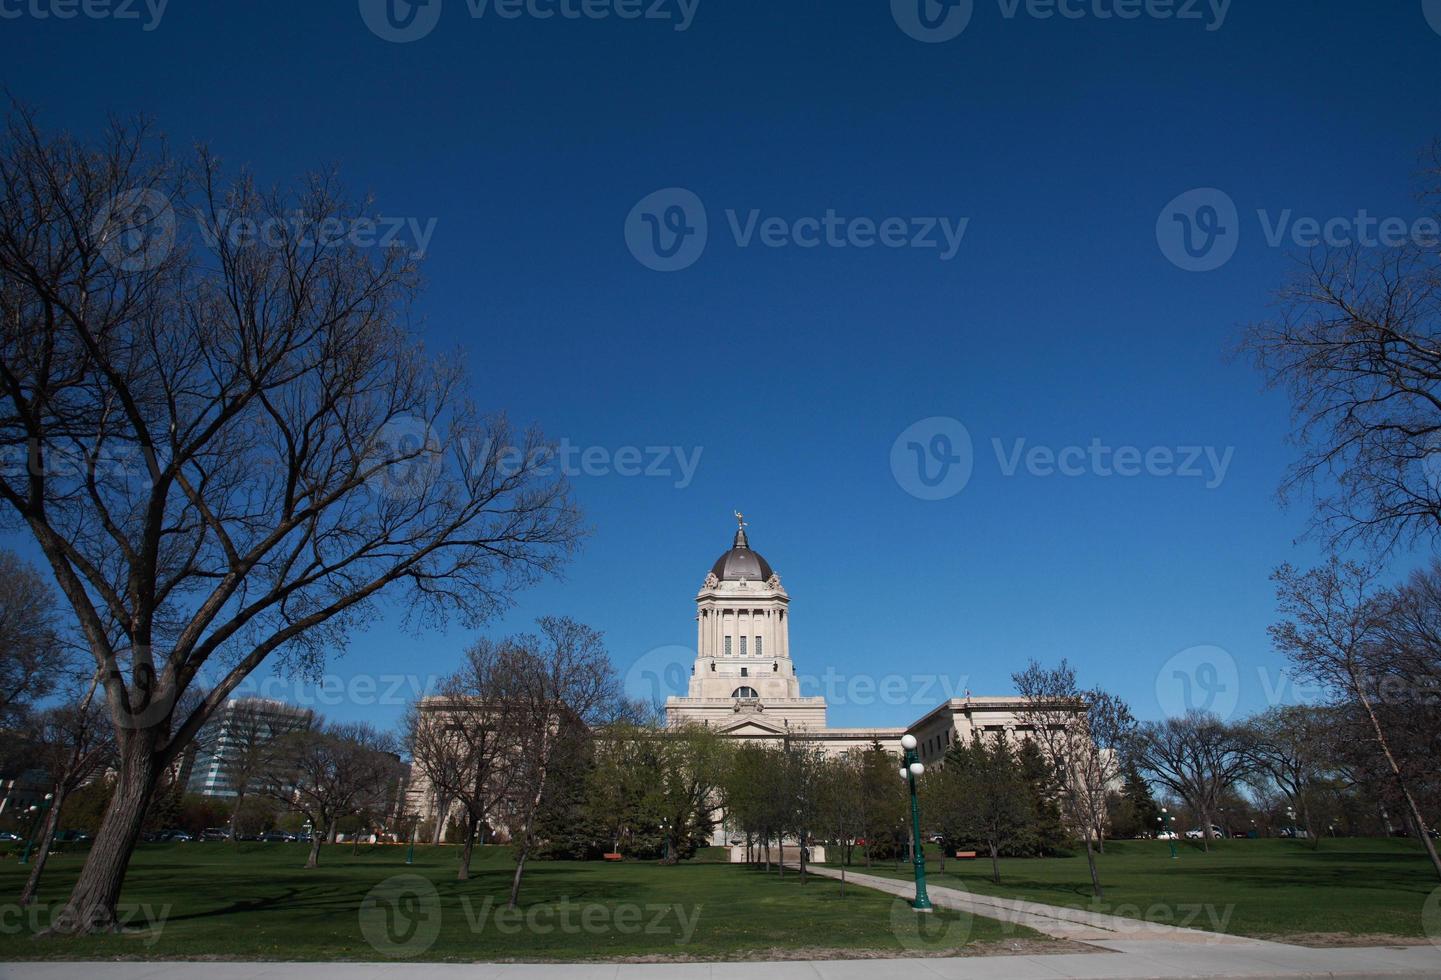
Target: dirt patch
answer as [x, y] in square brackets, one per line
[1333, 940]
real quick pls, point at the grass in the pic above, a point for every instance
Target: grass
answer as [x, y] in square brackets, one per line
[1350, 886]
[255, 901]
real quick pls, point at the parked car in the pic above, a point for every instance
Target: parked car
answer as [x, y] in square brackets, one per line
[1297, 832]
[1196, 833]
[215, 833]
[1168, 835]
[278, 837]
[5, 835]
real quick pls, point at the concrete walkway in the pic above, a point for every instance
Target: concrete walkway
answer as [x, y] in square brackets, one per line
[1051, 920]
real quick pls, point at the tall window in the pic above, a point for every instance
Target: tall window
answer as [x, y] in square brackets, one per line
[760, 650]
[728, 646]
[743, 646]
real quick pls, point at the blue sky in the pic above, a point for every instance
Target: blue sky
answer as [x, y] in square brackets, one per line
[792, 371]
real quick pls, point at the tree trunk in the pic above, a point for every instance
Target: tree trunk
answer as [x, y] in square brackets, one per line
[1205, 829]
[235, 814]
[317, 835]
[1400, 780]
[463, 872]
[91, 906]
[1306, 817]
[943, 856]
[803, 858]
[37, 867]
[519, 870]
[996, 864]
[1095, 875]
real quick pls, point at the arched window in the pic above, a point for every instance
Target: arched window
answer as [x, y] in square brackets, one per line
[744, 692]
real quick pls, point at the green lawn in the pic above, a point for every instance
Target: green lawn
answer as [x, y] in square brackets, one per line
[256, 902]
[1248, 887]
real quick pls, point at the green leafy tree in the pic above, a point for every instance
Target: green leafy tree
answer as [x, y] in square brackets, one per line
[992, 803]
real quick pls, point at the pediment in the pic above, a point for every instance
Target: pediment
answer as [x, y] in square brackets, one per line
[751, 726]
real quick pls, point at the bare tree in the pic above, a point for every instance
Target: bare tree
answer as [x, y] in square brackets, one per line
[36, 657]
[1357, 346]
[73, 743]
[1196, 756]
[331, 772]
[1294, 748]
[234, 447]
[1337, 627]
[462, 742]
[1082, 734]
[555, 685]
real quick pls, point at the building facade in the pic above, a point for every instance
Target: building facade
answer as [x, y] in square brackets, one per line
[744, 682]
[243, 728]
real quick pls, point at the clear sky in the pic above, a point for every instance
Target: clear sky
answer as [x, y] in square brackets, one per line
[1054, 144]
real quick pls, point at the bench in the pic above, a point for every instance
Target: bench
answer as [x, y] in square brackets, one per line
[966, 855]
[612, 857]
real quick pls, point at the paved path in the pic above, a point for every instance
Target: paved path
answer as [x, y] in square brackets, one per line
[1051, 920]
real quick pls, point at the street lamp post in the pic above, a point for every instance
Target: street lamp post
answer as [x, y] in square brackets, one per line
[38, 811]
[1167, 820]
[909, 772]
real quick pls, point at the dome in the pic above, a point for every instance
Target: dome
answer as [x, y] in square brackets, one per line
[741, 563]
